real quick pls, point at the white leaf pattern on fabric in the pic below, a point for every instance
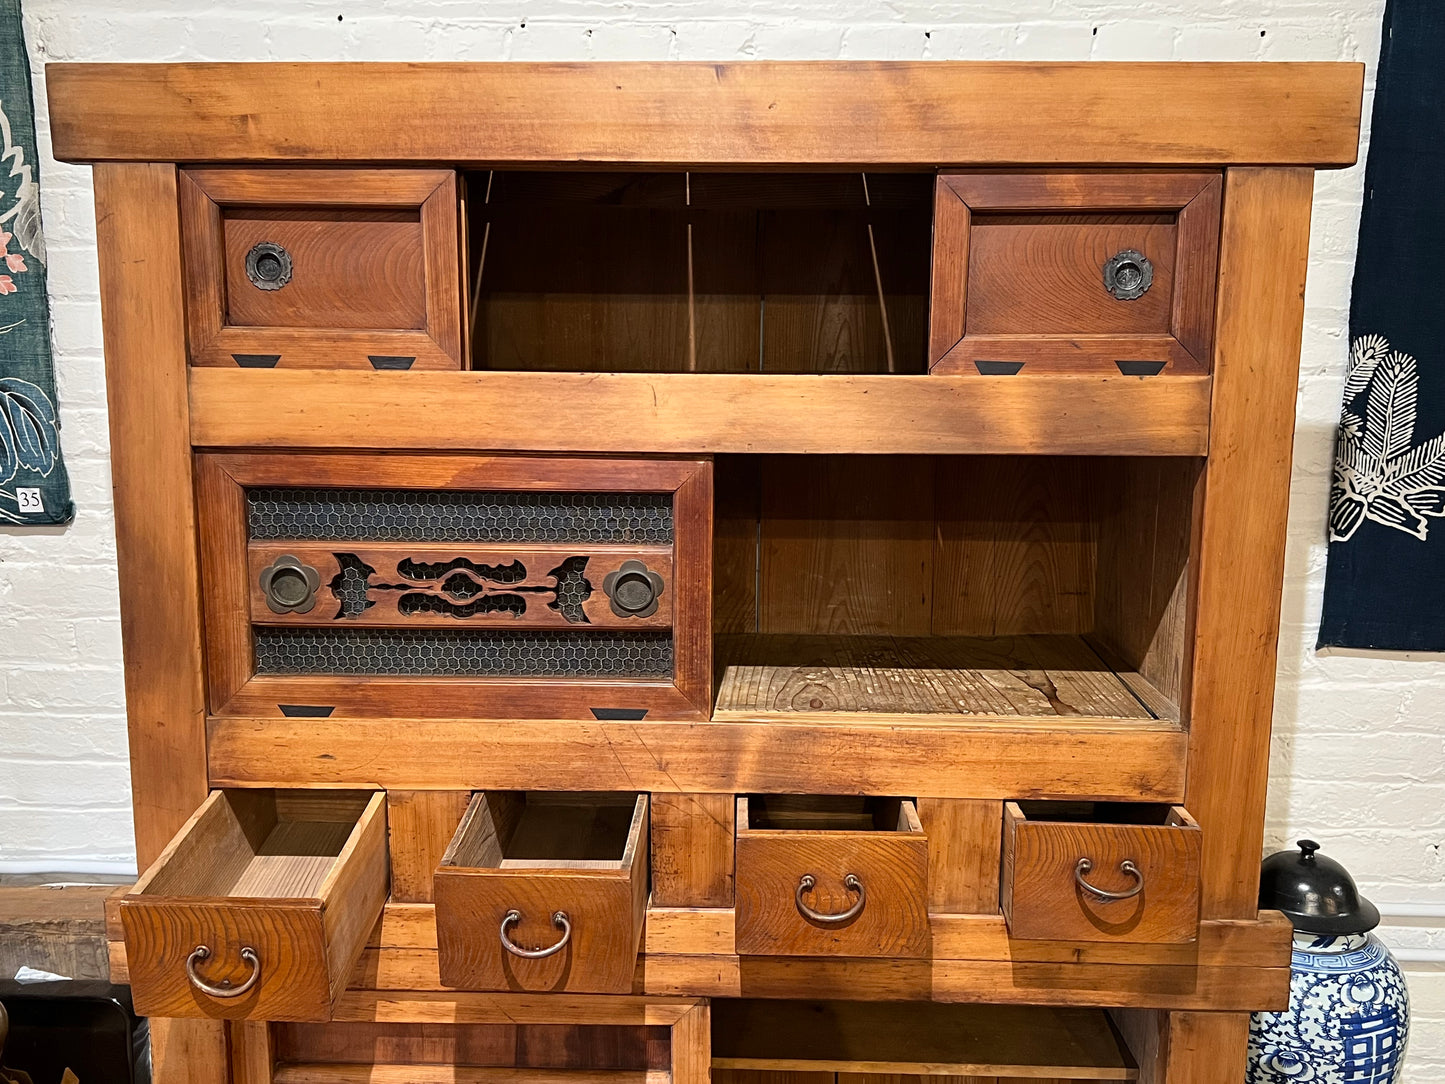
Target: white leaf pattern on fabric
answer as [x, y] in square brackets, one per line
[20, 206]
[1380, 473]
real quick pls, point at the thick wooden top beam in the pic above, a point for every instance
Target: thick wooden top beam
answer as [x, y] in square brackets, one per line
[699, 413]
[831, 114]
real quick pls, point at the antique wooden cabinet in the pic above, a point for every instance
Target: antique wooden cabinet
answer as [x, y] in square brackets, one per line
[647, 570]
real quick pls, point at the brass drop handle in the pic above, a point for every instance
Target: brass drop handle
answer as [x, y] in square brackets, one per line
[808, 882]
[559, 919]
[1126, 867]
[225, 989]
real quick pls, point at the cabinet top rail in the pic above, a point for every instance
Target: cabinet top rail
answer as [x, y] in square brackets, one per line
[823, 114]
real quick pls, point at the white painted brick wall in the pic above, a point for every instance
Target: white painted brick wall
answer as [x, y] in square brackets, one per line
[1357, 758]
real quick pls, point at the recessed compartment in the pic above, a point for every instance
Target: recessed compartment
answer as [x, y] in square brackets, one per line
[698, 272]
[830, 875]
[804, 1042]
[514, 587]
[544, 892]
[259, 907]
[1059, 272]
[1100, 871]
[954, 588]
[322, 269]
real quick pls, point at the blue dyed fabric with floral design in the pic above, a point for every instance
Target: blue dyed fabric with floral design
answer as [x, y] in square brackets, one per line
[34, 487]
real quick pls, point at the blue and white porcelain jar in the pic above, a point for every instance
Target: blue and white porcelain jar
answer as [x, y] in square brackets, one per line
[1349, 1012]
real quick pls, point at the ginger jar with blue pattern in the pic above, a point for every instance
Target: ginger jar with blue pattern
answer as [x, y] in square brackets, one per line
[1349, 1012]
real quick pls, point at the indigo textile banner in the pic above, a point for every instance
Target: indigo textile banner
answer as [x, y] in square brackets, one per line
[1385, 582]
[33, 483]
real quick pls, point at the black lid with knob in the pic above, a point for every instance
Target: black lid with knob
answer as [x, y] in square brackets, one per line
[1315, 893]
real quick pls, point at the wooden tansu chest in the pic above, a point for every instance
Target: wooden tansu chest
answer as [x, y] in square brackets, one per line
[647, 571]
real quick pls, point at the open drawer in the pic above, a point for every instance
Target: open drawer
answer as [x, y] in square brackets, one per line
[322, 268]
[831, 876]
[1100, 871]
[259, 907]
[544, 892]
[474, 586]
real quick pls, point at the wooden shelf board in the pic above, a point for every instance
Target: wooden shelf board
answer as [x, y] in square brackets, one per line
[986, 757]
[918, 1040]
[368, 1073]
[696, 413]
[957, 678]
[694, 114]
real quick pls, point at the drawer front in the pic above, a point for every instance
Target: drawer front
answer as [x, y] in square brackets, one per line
[795, 887]
[505, 587]
[1091, 881]
[540, 923]
[259, 907]
[322, 268]
[287, 944]
[1054, 272]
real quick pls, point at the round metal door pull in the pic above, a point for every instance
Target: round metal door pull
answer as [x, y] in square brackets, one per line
[224, 988]
[808, 882]
[559, 919]
[1125, 867]
[1128, 275]
[633, 589]
[268, 266]
[289, 586]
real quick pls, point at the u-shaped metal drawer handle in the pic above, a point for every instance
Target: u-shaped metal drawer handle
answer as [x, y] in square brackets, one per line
[225, 989]
[559, 919]
[851, 882]
[1126, 867]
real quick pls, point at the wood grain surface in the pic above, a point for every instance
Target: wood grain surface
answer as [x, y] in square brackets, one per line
[511, 856]
[692, 850]
[751, 113]
[964, 837]
[951, 758]
[891, 861]
[850, 676]
[349, 269]
[420, 823]
[1041, 899]
[700, 413]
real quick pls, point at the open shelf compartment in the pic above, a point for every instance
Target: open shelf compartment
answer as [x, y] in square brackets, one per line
[751, 1038]
[952, 588]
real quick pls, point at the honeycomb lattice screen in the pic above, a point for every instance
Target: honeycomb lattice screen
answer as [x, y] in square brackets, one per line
[406, 515]
[464, 653]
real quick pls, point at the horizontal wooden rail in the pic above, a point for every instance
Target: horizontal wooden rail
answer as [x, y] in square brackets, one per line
[1029, 758]
[697, 413]
[923, 114]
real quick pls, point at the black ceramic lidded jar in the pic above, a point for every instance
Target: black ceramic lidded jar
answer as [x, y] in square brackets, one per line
[1349, 1013]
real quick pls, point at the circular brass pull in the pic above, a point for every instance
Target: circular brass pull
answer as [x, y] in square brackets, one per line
[633, 590]
[289, 586]
[225, 989]
[1128, 275]
[559, 919]
[808, 882]
[1126, 867]
[268, 266]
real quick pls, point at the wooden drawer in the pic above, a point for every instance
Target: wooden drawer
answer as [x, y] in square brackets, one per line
[1062, 272]
[544, 892]
[831, 876]
[1105, 871]
[322, 268]
[259, 907]
[477, 586]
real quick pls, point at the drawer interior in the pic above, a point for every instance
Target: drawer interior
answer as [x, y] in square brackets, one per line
[699, 272]
[827, 813]
[1024, 586]
[1130, 813]
[525, 830]
[267, 844]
